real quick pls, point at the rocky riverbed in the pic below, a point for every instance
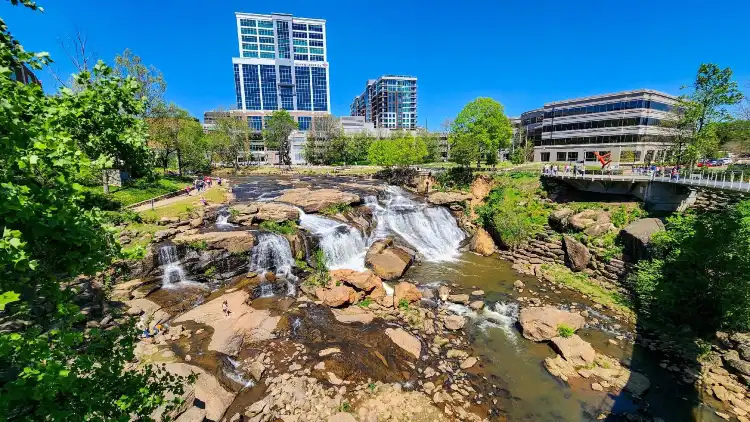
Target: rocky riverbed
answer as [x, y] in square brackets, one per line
[411, 320]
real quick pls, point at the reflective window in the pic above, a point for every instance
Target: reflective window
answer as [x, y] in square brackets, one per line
[299, 27]
[299, 34]
[300, 57]
[252, 86]
[314, 43]
[285, 75]
[561, 156]
[267, 47]
[250, 54]
[249, 38]
[249, 46]
[572, 156]
[316, 58]
[300, 42]
[304, 122]
[268, 32]
[282, 32]
[544, 156]
[248, 31]
[247, 22]
[316, 51]
[266, 40]
[265, 24]
[303, 87]
[255, 122]
[300, 50]
[315, 36]
[320, 89]
[316, 28]
[267, 55]
[287, 97]
[268, 86]
[237, 87]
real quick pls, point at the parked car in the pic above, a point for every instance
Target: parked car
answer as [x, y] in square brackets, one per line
[705, 163]
[726, 160]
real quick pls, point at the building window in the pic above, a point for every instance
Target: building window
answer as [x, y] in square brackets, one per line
[255, 123]
[315, 28]
[252, 86]
[304, 122]
[561, 156]
[268, 86]
[316, 51]
[314, 43]
[265, 24]
[572, 156]
[267, 55]
[267, 47]
[249, 31]
[266, 32]
[250, 54]
[303, 87]
[266, 40]
[320, 89]
[286, 92]
[637, 155]
[282, 32]
[299, 34]
[237, 87]
[300, 57]
[249, 38]
[590, 156]
[544, 156]
[316, 58]
[302, 43]
[301, 50]
[247, 22]
[299, 27]
[315, 36]
[249, 46]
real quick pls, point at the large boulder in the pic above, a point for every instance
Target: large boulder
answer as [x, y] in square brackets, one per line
[278, 213]
[592, 222]
[576, 254]
[636, 236]
[353, 314]
[540, 323]
[362, 280]
[336, 296]
[314, 200]
[454, 322]
[405, 341]
[482, 243]
[733, 360]
[234, 242]
[387, 260]
[447, 198]
[575, 350]
[558, 220]
[407, 291]
[215, 398]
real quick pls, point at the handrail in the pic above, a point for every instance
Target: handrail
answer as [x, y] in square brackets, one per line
[157, 198]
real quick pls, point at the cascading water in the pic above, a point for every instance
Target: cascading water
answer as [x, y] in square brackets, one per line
[222, 220]
[273, 253]
[343, 245]
[173, 271]
[502, 315]
[432, 231]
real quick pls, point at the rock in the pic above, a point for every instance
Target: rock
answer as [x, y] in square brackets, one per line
[455, 353]
[468, 362]
[168, 220]
[163, 235]
[353, 314]
[454, 322]
[122, 291]
[444, 292]
[482, 243]
[405, 341]
[540, 323]
[333, 379]
[279, 213]
[342, 417]
[196, 222]
[733, 360]
[234, 242]
[576, 254]
[636, 237]
[447, 198]
[476, 305]
[256, 369]
[207, 389]
[597, 387]
[362, 280]
[592, 222]
[314, 200]
[478, 293]
[575, 350]
[329, 351]
[407, 291]
[558, 220]
[192, 414]
[518, 284]
[256, 408]
[337, 296]
[387, 260]
[462, 298]
[637, 384]
[720, 392]
[245, 325]
[560, 368]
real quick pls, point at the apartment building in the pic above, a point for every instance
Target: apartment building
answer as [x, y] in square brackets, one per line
[388, 102]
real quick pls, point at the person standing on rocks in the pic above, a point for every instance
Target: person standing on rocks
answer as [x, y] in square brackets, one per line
[225, 309]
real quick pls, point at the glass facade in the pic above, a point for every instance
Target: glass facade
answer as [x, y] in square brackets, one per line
[600, 124]
[303, 87]
[255, 123]
[285, 87]
[268, 86]
[320, 89]
[603, 108]
[282, 35]
[603, 139]
[252, 86]
[304, 122]
[237, 87]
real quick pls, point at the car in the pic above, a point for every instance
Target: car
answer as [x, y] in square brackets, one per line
[704, 163]
[726, 160]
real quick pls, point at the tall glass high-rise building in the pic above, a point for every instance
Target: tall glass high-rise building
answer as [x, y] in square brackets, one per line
[282, 64]
[388, 102]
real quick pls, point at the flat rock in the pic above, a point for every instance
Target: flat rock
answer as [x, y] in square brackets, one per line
[404, 340]
[454, 322]
[575, 350]
[336, 296]
[234, 241]
[387, 260]
[329, 351]
[362, 280]
[353, 314]
[461, 298]
[447, 198]
[540, 323]
[476, 305]
[468, 362]
[278, 213]
[314, 200]
[207, 389]
[406, 291]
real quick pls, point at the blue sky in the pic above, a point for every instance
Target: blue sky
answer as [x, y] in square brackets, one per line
[521, 53]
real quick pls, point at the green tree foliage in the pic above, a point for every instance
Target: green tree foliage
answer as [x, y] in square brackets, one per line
[479, 130]
[700, 263]
[734, 135]
[151, 84]
[51, 366]
[402, 150]
[323, 131]
[432, 144]
[276, 135]
[229, 139]
[173, 133]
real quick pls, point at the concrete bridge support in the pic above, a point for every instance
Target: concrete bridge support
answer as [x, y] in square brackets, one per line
[656, 196]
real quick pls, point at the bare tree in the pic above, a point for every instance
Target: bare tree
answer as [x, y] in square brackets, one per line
[79, 54]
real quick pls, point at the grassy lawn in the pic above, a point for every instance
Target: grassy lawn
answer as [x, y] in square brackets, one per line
[141, 189]
[185, 206]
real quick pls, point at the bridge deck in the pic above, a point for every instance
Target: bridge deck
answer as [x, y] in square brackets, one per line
[698, 180]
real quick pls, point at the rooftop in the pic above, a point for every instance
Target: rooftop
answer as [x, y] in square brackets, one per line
[612, 94]
[272, 15]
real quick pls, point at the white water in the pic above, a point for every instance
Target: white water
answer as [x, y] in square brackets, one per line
[235, 375]
[221, 221]
[343, 245]
[500, 315]
[173, 271]
[432, 231]
[272, 253]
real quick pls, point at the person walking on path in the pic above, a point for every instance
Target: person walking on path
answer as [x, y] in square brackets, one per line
[187, 190]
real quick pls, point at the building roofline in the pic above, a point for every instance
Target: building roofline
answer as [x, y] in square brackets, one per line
[611, 94]
[271, 15]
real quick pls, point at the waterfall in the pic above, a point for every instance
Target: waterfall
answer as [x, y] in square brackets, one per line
[222, 220]
[504, 316]
[173, 271]
[343, 245]
[432, 231]
[272, 253]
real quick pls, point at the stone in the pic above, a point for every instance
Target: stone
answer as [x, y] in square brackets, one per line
[404, 340]
[315, 200]
[476, 305]
[207, 389]
[455, 353]
[482, 243]
[168, 220]
[333, 379]
[196, 223]
[444, 292]
[362, 280]
[387, 260]
[597, 387]
[592, 222]
[234, 241]
[518, 284]
[560, 368]
[720, 392]
[163, 235]
[558, 220]
[478, 293]
[447, 198]
[336, 296]
[461, 298]
[329, 351]
[353, 314]
[575, 350]
[278, 213]
[733, 360]
[454, 322]
[256, 408]
[192, 414]
[244, 209]
[342, 417]
[406, 291]
[468, 362]
[257, 369]
[636, 237]
[540, 323]
[577, 255]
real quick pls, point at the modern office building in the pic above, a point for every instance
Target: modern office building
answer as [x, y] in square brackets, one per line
[282, 64]
[626, 124]
[388, 102]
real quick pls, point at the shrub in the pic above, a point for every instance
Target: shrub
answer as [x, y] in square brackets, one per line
[121, 217]
[210, 271]
[624, 215]
[198, 245]
[403, 304]
[96, 199]
[134, 253]
[456, 178]
[320, 276]
[336, 209]
[565, 331]
[365, 302]
[287, 227]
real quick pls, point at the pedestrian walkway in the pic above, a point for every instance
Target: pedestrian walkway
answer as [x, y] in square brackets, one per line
[164, 202]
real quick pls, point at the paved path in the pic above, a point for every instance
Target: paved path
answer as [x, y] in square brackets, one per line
[158, 204]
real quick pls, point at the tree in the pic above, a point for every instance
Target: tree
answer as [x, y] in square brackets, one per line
[432, 143]
[279, 126]
[229, 139]
[167, 129]
[53, 367]
[357, 147]
[734, 135]
[404, 150]
[318, 148]
[151, 84]
[481, 128]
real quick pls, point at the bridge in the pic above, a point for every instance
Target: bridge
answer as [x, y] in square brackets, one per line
[658, 192]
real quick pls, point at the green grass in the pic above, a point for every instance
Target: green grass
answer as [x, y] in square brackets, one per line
[581, 283]
[403, 304]
[334, 209]
[185, 206]
[198, 245]
[365, 302]
[565, 331]
[142, 189]
[287, 227]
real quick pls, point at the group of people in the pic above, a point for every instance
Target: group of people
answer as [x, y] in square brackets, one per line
[658, 171]
[200, 184]
[554, 170]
